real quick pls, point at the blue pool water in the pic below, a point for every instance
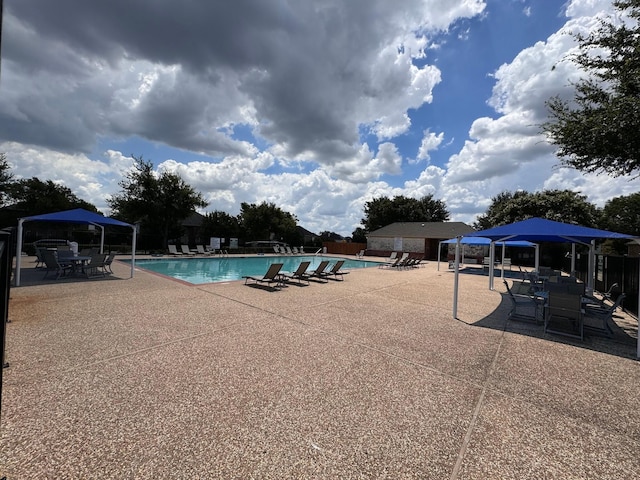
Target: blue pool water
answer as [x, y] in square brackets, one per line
[223, 269]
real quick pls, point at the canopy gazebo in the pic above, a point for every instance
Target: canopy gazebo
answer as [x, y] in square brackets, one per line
[543, 230]
[79, 216]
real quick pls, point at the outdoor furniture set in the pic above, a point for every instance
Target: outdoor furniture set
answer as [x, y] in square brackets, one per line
[562, 306]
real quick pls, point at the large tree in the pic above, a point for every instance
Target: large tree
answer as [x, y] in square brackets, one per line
[32, 196]
[220, 224]
[598, 131]
[6, 178]
[265, 221]
[159, 202]
[559, 205]
[384, 211]
[622, 215]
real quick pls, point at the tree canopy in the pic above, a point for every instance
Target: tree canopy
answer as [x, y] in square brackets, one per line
[598, 131]
[265, 221]
[622, 214]
[559, 205]
[384, 211]
[158, 202]
[220, 224]
[32, 196]
[5, 178]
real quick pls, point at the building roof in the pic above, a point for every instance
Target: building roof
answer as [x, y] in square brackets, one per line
[436, 230]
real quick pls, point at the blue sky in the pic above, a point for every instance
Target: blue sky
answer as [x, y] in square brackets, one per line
[317, 107]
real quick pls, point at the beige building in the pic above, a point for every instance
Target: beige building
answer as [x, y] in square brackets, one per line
[414, 237]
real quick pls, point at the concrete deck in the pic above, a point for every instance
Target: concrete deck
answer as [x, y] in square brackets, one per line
[366, 378]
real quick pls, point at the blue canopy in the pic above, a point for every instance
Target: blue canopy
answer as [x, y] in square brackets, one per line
[77, 215]
[542, 230]
[467, 240]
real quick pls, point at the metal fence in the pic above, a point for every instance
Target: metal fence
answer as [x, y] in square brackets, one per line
[610, 270]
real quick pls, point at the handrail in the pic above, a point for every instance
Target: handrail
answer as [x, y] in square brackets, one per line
[319, 250]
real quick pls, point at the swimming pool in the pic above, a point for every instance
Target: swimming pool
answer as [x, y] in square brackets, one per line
[224, 269]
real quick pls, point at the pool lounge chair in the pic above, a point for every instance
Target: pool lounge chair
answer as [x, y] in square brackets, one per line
[201, 251]
[173, 250]
[300, 274]
[186, 251]
[392, 261]
[335, 272]
[360, 254]
[271, 278]
[320, 272]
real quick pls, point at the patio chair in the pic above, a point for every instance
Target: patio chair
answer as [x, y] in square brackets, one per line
[564, 315]
[95, 267]
[300, 274]
[360, 254]
[335, 272]
[271, 278]
[276, 249]
[52, 264]
[319, 272]
[523, 307]
[597, 318]
[173, 250]
[186, 251]
[107, 263]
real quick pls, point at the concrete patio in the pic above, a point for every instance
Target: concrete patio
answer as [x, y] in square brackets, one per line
[367, 378]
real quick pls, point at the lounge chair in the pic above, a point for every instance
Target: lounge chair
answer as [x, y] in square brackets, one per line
[392, 261]
[186, 251]
[201, 251]
[319, 272]
[335, 271]
[295, 250]
[51, 264]
[272, 277]
[403, 262]
[300, 274]
[276, 249]
[289, 251]
[173, 250]
[360, 254]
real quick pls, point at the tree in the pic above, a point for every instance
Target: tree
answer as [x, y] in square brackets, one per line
[622, 215]
[559, 205]
[32, 196]
[268, 222]
[359, 235]
[220, 224]
[6, 178]
[600, 134]
[384, 211]
[160, 203]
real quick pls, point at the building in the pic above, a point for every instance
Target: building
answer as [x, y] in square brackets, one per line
[414, 237]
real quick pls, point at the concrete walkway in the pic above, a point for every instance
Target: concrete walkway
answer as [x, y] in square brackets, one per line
[368, 378]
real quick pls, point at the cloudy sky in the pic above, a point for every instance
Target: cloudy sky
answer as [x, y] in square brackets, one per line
[317, 106]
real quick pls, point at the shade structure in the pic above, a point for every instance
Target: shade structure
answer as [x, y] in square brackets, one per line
[77, 215]
[543, 230]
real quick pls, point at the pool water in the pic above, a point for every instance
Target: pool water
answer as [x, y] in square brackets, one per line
[223, 269]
